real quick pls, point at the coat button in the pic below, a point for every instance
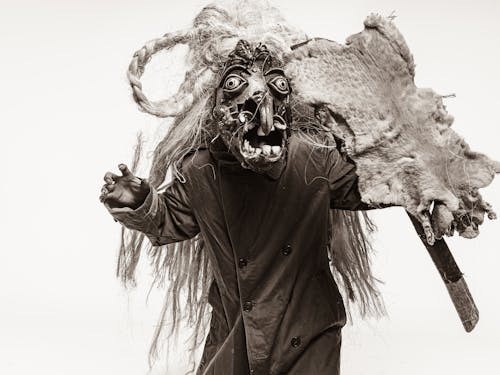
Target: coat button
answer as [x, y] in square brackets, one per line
[242, 262]
[295, 342]
[287, 250]
[247, 306]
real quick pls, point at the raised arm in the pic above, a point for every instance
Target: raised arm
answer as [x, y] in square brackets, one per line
[343, 181]
[163, 218]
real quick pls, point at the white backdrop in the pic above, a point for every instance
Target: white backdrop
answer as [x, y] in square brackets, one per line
[67, 117]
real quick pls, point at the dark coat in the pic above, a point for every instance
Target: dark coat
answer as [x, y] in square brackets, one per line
[276, 307]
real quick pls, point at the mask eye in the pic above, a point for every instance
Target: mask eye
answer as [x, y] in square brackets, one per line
[234, 83]
[280, 84]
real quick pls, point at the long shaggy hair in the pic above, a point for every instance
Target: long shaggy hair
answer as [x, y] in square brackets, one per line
[184, 268]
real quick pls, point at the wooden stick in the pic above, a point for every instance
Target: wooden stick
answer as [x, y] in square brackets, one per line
[452, 277]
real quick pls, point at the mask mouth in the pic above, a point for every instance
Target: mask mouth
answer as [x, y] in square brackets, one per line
[268, 147]
[257, 144]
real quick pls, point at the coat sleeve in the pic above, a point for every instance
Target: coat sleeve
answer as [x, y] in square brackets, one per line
[163, 217]
[343, 183]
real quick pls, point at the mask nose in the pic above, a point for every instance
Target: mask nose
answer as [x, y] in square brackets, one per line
[266, 111]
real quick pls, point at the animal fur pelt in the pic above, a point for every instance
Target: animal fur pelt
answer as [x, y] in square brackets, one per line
[399, 135]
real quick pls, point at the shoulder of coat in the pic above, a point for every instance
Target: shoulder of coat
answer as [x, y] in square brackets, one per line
[302, 152]
[198, 162]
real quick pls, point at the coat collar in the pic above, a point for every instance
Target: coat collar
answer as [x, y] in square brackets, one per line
[223, 156]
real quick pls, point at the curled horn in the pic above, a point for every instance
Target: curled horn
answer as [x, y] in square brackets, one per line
[164, 108]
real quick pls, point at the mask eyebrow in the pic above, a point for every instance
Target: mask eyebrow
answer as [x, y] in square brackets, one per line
[235, 67]
[275, 71]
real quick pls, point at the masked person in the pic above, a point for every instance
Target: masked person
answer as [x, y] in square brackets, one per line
[262, 218]
[263, 210]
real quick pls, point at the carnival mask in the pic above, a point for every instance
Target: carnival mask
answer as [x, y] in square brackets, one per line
[252, 107]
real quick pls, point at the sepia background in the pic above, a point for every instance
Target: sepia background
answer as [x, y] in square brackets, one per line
[67, 117]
